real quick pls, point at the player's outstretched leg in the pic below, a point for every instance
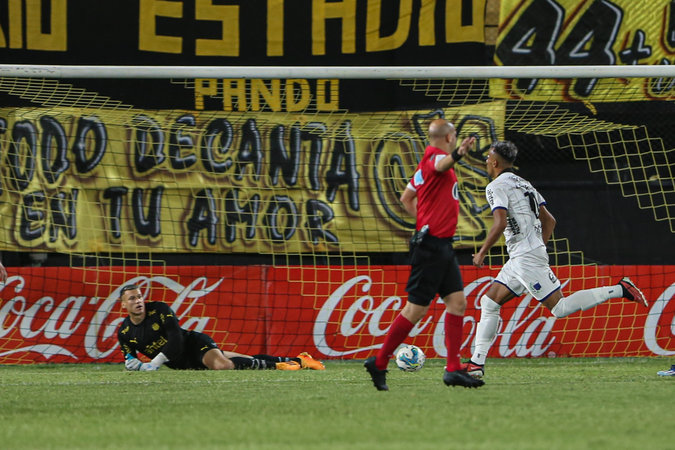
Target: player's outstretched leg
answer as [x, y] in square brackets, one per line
[631, 292]
[667, 373]
[473, 369]
[461, 378]
[379, 377]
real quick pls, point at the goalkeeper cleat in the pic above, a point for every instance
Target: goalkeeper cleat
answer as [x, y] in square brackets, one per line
[307, 362]
[290, 365]
[667, 373]
[461, 378]
[378, 376]
[631, 292]
[475, 370]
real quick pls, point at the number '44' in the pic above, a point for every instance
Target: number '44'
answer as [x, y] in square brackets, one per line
[532, 38]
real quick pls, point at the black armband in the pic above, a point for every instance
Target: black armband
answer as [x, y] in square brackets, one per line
[456, 156]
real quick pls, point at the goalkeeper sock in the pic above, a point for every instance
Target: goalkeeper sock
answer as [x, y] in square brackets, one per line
[585, 299]
[244, 363]
[397, 333]
[276, 359]
[453, 340]
[486, 329]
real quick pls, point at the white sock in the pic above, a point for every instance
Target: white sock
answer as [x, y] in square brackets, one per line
[486, 329]
[585, 299]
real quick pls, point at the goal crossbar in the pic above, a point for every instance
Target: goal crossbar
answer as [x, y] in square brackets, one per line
[345, 72]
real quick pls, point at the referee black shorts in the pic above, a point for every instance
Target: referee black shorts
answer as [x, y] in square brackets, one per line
[434, 270]
[195, 346]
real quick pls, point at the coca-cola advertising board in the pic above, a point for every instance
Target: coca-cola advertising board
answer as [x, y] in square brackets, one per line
[63, 314]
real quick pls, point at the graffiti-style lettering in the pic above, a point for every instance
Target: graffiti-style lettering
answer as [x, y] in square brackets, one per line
[314, 132]
[115, 195]
[532, 39]
[62, 220]
[150, 224]
[250, 150]
[149, 145]
[318, 214]
[85, 126]
[343, 167]
[32, 216]
[237, 213]
[280, 160]
[54, 160]
[203, 218]
[281, 219]
[591, 41]
[219, 131]
[22, 166]
[178, 141]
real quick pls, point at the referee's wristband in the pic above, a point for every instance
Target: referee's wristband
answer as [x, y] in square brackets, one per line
[456, 156]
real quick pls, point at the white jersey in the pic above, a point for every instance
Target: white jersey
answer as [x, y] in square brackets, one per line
[521, 202]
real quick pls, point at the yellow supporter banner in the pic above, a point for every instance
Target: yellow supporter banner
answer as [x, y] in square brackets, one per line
[79, 181]
[583, 32]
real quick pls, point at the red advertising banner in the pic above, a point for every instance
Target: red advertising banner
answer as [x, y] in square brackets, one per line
[71, 315]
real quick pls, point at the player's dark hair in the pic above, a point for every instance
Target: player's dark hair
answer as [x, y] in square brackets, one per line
[506, 149]
[128, 287]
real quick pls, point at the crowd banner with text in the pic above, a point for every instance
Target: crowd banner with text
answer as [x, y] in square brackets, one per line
[243, 32]
[573, 32]
[331, 312]
[177, 181]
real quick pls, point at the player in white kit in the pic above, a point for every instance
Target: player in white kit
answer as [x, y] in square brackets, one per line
[520, 213]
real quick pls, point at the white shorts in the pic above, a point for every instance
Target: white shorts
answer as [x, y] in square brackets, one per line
[529, 273]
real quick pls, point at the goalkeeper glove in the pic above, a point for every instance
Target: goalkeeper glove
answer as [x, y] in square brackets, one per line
[155, 364]
[131, 362]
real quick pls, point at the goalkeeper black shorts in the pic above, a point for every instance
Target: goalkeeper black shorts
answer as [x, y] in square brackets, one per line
[195, 346]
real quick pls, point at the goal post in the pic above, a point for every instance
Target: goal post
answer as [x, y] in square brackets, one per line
[262, 204]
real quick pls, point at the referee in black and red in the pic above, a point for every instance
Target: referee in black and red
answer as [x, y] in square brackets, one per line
[432, 197]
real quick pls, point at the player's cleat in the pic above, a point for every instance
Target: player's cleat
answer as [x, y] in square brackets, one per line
[475, 370]
[378, 376]
[631, 292]
[461, 378]
[290, 365]
[307, 362]
[667, 373]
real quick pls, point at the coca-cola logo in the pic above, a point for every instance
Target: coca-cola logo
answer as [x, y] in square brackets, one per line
[78, 327]
[657, 316]
[352, 319]
[525, 332]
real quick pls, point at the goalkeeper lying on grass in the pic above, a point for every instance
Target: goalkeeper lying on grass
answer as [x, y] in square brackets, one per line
[152, 329]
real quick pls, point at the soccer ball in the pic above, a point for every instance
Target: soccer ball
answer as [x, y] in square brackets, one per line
[410, 358]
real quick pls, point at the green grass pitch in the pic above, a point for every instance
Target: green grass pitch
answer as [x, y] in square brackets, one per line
[566, 403]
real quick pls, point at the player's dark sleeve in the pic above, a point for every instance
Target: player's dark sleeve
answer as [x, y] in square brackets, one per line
[125, 345]
[174, 334]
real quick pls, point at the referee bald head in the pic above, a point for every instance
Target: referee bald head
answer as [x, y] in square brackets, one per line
[442, 134]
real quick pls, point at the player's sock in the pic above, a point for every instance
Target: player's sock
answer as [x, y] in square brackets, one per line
[585, 299]
[397, 333]
[276, 359]
[486, 329]
[244, 363]
[453, 340]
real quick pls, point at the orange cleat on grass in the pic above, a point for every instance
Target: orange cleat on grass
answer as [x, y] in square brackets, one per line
[308, 362]
[290, 365]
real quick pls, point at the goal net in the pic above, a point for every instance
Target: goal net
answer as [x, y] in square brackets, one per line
[262, 203]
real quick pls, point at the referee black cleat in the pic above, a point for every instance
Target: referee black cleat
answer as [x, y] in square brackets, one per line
[378, 376]
[461, 378]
